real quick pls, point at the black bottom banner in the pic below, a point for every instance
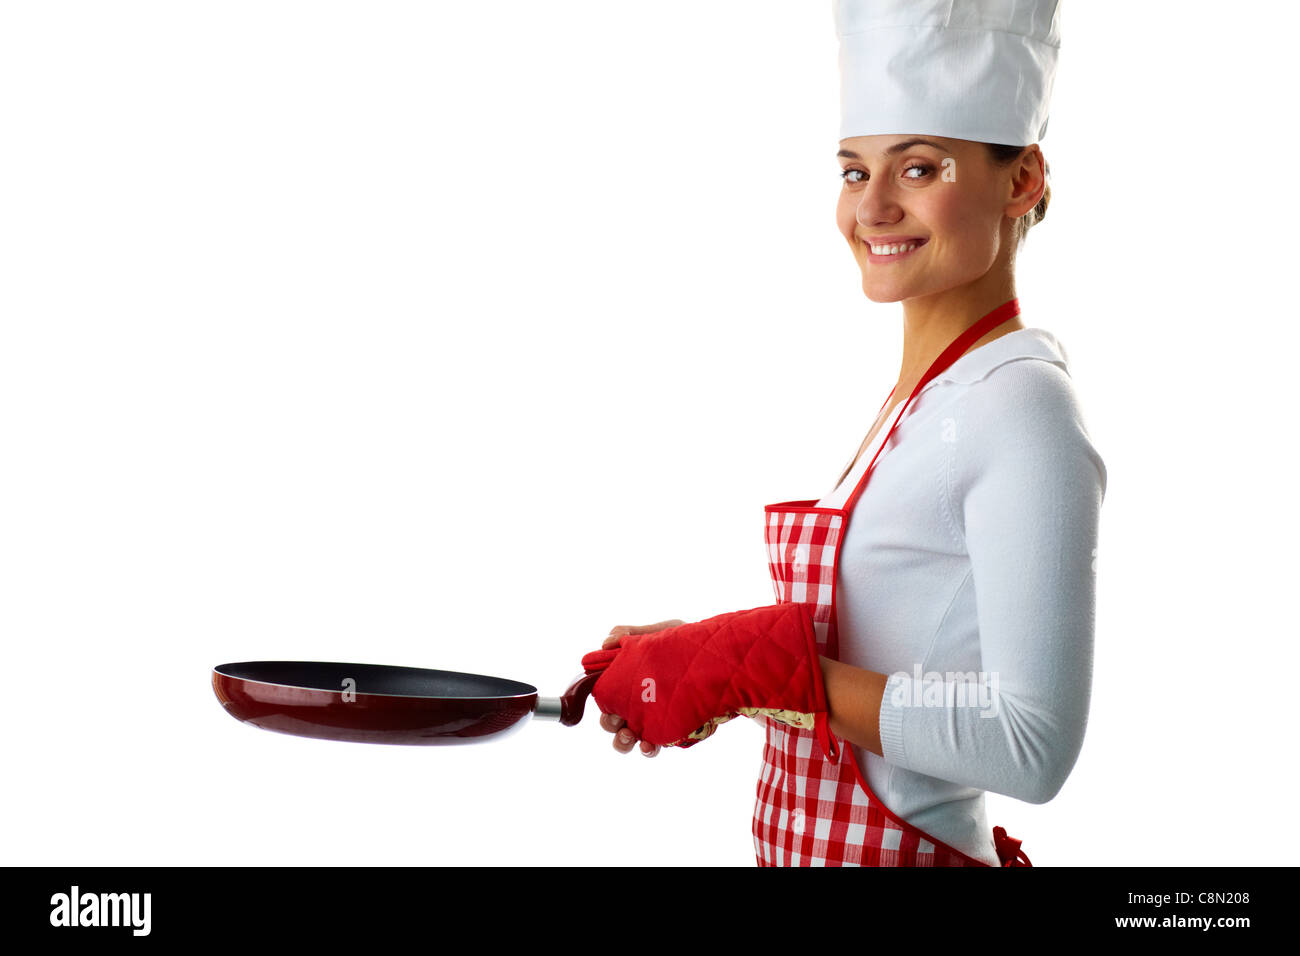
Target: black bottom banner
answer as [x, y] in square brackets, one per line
[260, 907]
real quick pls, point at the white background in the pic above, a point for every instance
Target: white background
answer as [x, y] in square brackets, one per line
[453, 335]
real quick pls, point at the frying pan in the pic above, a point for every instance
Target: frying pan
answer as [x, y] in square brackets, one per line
[381, 704]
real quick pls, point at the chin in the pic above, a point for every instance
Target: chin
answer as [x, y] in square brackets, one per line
[929, 283]
[878, 294]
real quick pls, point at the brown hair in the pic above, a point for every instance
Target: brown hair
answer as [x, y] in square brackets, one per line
[1005, 156]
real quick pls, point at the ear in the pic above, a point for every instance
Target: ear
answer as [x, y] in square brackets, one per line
[1028, 180]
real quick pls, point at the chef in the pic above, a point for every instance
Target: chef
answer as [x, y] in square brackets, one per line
[932, 634]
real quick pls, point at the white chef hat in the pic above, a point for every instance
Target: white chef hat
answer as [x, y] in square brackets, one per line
[966, 69]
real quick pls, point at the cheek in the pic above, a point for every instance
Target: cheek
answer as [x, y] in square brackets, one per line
[968, 228]
[846, 215]
[945, 209]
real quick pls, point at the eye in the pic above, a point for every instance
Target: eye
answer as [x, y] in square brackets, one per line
[911, 171]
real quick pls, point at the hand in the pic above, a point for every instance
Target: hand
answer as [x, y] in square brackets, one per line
[760, 662]
[624, 739]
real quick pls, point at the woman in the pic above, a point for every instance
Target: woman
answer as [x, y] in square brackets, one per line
[954, 613]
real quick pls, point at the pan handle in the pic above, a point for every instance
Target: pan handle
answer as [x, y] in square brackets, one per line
[568, 708]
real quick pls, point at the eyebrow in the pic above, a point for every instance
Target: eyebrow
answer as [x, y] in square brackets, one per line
[896, 148]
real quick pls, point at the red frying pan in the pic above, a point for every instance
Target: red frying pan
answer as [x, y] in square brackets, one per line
[379, 704]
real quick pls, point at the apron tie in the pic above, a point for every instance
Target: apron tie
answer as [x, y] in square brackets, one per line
[824, 738]
[1008, 848]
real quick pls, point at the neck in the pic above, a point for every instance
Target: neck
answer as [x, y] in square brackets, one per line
[931, 322]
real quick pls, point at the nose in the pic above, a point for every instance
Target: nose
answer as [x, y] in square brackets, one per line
[878, 205]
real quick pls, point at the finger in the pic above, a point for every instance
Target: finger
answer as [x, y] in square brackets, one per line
[650, 750]
[612, 722]
[624, 741]
[651, 628]
[623, 630]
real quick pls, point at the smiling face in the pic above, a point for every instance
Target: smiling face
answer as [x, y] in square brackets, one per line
[925, 214]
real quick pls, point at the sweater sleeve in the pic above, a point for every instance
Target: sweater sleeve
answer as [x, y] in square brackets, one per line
[1024, 496]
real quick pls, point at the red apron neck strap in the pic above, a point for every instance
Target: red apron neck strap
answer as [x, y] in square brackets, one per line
[954, 351]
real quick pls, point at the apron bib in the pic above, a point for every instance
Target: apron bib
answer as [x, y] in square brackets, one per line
[814, 807]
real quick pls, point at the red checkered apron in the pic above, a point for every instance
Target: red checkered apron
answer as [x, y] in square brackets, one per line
[814, 807]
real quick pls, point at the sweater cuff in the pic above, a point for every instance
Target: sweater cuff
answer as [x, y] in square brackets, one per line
[891, 719]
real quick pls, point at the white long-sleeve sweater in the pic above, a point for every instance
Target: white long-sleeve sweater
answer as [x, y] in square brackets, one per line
[967, 575]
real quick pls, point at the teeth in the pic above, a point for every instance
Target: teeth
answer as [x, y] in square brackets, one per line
[893, 250]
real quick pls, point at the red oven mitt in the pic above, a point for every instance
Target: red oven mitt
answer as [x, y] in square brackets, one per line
[675, 686]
